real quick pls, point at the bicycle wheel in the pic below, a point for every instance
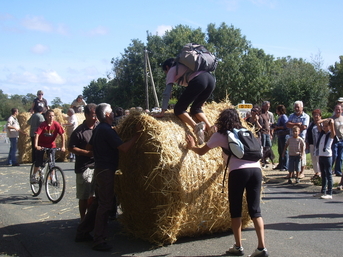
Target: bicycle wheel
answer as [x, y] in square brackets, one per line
[35, 187]
[55, 184]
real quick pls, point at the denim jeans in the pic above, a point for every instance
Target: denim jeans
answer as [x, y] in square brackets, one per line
[337, 156]
[325, 164]
[12, 159]
[265, 140]
[294, 163]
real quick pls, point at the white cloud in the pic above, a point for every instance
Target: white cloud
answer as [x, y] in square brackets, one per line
[37, 23]
[52, 77]
[98, 31]
[161, 30]
[40, 49]
[29, 78]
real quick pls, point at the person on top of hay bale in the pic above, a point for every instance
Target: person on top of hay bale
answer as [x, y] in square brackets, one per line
[39, 101]
[78, 104]
[106, 145]
[199, 86]
[243, 174]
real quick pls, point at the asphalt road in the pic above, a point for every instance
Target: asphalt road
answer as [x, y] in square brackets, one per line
[296, 223]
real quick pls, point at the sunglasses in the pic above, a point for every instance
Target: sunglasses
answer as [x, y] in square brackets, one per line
[40, 94]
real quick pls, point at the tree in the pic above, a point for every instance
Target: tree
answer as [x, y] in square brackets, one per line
[56, 103]
[243, 72]
[295, 79]
[96, 91]
[336, 81]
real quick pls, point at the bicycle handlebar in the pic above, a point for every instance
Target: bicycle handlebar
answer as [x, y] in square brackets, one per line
[47, 149]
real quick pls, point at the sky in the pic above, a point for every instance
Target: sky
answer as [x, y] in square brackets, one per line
[61, 46]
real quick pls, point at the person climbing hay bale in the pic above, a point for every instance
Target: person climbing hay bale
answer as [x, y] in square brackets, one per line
[166, 191]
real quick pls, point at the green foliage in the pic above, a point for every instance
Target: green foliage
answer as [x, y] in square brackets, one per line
[243, 73]
[96, 91]
[336, 82]
[294, 79]
[14, 101]
[56, 103]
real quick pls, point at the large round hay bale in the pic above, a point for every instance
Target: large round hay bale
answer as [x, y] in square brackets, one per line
[167, 191]
[24, 142]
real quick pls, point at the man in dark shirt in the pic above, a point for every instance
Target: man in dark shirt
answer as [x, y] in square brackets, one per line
[84, 161]
[106, 145]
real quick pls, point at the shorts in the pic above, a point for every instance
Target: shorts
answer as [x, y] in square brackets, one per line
[84, 185]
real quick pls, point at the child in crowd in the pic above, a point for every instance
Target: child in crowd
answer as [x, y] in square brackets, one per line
[324, 151]
[296, 146]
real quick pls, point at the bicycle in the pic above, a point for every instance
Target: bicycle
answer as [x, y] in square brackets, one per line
[51, 175]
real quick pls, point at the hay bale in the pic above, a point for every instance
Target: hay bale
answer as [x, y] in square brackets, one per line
[167, 191]
[24, 142]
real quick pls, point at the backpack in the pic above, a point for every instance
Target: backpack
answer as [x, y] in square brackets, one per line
[197, 58]
[243, 145]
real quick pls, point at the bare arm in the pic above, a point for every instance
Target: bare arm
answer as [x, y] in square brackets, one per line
[198, 150]
[80, 151]
[63, 142]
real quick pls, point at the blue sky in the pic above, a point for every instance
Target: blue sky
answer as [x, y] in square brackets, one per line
[61, 46]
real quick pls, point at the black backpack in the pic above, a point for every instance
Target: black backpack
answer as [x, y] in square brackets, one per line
[243, 145]
[197, 58]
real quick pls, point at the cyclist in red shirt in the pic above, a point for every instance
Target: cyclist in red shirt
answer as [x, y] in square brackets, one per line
[45, 137]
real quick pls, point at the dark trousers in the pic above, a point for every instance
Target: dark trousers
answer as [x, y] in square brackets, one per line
[198, 91]
[283, 161]
[325, 165]
[250, 180]
[97, 215]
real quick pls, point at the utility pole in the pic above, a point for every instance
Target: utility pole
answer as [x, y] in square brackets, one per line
[148, 72]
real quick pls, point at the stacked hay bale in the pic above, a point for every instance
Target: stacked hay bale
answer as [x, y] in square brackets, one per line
[167, 191]
[24, 142]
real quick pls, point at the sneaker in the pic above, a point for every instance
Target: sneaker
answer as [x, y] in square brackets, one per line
[33, 179]
[318, 195]
[326, 197]
[297, 180]
[340, 187]
[259, 253]
[289, 181]
[235, 250]
[199, 131]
